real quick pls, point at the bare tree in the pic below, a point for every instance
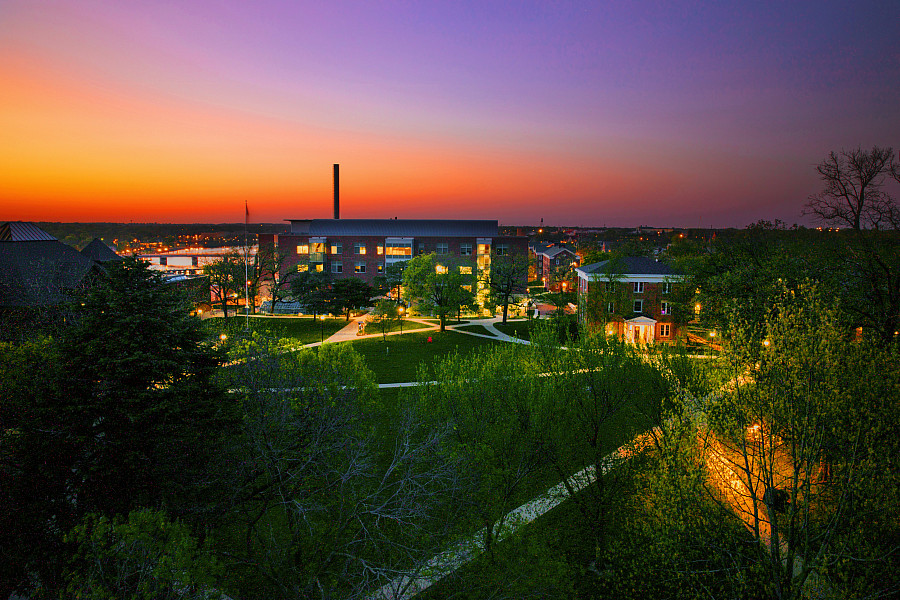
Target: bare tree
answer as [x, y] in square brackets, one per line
[855, 197]
[326, 507]
[854, 194]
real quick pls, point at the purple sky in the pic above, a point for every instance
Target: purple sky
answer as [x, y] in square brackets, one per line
[579, 113]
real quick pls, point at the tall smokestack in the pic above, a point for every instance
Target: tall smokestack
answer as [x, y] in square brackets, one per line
[337, 191]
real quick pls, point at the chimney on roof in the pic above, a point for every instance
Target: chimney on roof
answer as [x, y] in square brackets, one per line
[337, 191]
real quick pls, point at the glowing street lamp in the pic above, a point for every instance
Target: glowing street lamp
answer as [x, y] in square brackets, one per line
[400, 312]
[322, 319]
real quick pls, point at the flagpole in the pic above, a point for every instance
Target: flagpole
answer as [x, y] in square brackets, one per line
[246, 266]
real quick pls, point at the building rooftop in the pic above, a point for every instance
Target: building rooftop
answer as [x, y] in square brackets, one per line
[99, 251]
[395, 227]
[629, 265]
[20, 231]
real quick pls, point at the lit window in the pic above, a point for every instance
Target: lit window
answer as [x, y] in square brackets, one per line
[379, 250]
[337, 248]
[443, 248]
[303, 249]
[399, 249]
[359, 267]
[638, 306]
[318, 247]
[302, 268]
[468, 288]
[320, 267]
[465, 249]
[664, 330]
[337, 267]
[465, 270]
[440, 269]
[380, 267]
[638, 287]
[665, 309]
[484, 248]
[359, 248]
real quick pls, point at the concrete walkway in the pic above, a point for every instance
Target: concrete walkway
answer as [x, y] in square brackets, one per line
[351, 331]
[488, 324]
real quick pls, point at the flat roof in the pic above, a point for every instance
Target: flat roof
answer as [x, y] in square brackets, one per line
[399, 227]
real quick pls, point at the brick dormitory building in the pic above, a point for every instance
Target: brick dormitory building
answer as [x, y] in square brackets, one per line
[364, 248]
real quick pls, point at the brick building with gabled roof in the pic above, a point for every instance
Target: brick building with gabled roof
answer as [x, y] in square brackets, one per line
[632, 296]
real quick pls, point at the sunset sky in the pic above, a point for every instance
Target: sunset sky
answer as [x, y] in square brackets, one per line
[581, 113]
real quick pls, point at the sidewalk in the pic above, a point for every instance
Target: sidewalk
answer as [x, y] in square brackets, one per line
[350, 332]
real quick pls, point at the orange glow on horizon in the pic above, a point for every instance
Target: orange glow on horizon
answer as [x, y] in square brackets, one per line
[79, 149]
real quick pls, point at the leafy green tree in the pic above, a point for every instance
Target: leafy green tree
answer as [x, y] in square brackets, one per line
[142, 405]
[492, 400]
[145, 557]
[507, 277]
[36, 454]
[267, 271]
[119, 411]
[435, 286]
[312, 289]
[798, 449]
[393, 276]
[386, 313]
[608, 298]
[601, 392]
[226, 279]
[350, 294]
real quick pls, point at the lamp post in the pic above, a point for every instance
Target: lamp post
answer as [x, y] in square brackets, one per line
[400, 311]
[322, 319]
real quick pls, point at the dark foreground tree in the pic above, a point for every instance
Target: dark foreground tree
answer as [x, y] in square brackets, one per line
[120, 412]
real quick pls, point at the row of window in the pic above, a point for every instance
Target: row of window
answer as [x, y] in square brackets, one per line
[401, 249]
[665, 307]
[360, 267]
[637, 287]
[338, 267]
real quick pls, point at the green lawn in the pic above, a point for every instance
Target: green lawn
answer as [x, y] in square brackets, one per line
[397, 359]
[519, 329]
[375, 327]
[305, 330]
